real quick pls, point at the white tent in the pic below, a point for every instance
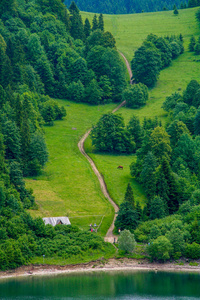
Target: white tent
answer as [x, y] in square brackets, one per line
[57, 220]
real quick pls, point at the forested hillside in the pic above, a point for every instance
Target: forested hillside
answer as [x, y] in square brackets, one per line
[128, 6]
[45, 52]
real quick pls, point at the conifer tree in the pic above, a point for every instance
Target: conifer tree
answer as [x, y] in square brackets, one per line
[2, 97]
[18, 112]
[94, 23]
[73, 8]
[175, 10]
[77, 29]
[2, 152]
[135, 130]
[101, 23]
[157, 208]
[138, 210]
[25, 131]
[197, 122]
[87, 28]
[148, 176]
[167, 187]
[129, 195]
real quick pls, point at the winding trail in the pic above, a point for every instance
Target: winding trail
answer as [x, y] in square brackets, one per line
[128, 66]
[110, 237]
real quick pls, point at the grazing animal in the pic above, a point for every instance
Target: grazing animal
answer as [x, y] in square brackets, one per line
[120, 167]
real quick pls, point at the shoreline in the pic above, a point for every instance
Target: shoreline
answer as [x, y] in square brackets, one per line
[112, 265]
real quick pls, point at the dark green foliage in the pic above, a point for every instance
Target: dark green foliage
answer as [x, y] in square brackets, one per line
[192, 251]
[167, 187]
[87, 28]
[175, 131]
[136, 95]
[76, 91]
[106, 89]
[129, 195]
[11, 140]
[48, 113]
[93, 93]
[197, 48]
[160, 143]
[176, 11]
[73, 8]
[109, 40]
[127, 217]
[190, 92]
[198, 15]
[135, 129]
[110, 135]
[197, 123]
[160, 249]
[148, 175]
[157, 208]
[146, 65]
[101, 23]
[171, 101]
[192, 43]
[95, 23]
[155, 53]
[127, 7]
[101, 61]
[76, 26]
[163, 45]
[38, 149]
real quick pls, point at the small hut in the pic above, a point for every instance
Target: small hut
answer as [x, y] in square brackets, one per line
[57, 220]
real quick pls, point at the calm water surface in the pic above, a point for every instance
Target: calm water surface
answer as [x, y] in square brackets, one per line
[138, 285]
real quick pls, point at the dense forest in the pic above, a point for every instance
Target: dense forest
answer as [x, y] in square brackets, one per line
[130, 6]
[45, 52]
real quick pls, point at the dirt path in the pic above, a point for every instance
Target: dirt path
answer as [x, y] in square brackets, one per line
[110, 237]
[128, 66]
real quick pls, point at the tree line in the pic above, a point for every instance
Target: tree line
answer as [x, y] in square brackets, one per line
[130, 6]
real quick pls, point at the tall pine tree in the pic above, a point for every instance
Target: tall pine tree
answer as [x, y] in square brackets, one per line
[94, 23]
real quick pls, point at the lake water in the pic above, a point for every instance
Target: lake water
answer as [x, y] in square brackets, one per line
[140, 285]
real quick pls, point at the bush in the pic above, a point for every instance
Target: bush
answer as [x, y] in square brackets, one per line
[136, 95]
[160, 249]
[126, 241]
[192, 251]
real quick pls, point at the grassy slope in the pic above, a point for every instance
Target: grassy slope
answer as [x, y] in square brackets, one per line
[129, 32]
[68, 185]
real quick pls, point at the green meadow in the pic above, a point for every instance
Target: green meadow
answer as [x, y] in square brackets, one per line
[67, 185]
[131, 30]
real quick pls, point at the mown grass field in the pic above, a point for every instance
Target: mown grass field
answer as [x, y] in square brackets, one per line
[68, 185]
[131, 30]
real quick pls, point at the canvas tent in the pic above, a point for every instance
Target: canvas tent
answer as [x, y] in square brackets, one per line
[57, 220]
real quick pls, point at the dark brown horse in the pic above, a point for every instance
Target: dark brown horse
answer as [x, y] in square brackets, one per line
[120, 167]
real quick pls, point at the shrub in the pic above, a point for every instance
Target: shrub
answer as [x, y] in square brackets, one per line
[160, 249]
[126, 241]
[192, 251]
[136, 95]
